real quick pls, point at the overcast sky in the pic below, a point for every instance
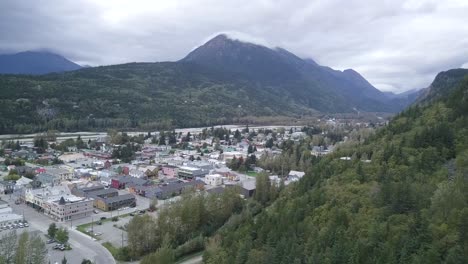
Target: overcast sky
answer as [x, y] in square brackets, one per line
[397, 45]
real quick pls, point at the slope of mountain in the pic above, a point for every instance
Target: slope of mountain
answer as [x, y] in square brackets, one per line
[333, 90]
[216, 83]
[34, 62]
[443, 84]
[409, 204]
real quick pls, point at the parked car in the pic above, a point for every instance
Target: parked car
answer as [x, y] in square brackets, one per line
[26, 225]
[96, 211]
[50, 241]
[103, 218]
[57, 246]
[99, 223]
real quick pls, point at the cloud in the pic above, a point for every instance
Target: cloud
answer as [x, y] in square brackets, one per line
[397, 45]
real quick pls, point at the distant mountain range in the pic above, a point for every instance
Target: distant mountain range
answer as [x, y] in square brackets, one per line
[217, 83]
[35, 63]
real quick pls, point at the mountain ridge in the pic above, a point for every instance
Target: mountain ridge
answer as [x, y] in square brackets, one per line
[35, 63]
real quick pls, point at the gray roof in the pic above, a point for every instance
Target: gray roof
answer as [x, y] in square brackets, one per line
[102, 192]
[117, 198]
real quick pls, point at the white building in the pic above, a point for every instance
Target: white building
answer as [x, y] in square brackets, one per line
[213, 179]
[58, 203]
[295, 175]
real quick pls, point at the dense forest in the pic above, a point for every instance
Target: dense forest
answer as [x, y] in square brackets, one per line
[136, 95]
[402, 198]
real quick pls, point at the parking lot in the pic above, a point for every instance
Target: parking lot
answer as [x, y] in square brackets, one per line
[82, 245]
[110, 231]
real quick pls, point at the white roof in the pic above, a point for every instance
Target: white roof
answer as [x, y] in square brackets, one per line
[10, 217]
[23, 181]
[298, 174]
[189, 168]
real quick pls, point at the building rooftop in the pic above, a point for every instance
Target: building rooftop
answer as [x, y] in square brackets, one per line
[118, 198]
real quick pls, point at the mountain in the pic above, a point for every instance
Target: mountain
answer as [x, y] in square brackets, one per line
[35, 63]
[444, 83]
[220, 82]
[331, 90]
[402, 198]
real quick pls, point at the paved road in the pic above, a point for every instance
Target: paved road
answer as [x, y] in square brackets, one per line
[83, 246]
[195, 260]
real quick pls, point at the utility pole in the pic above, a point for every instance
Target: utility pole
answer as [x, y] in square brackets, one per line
[122, 239]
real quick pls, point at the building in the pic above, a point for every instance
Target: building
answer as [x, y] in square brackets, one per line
[68, 209]
[9, 218]
[246, 188]
[190, 173]
[115, 202]
[106, 199]
[295, 175]
[214, 179]
[169, 171]
[7, 187]
[47, 179]
[172, 190]
[61, 173]
[123, 182]
[59, 203]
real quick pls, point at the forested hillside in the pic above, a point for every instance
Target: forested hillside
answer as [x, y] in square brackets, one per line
[218, 83]
[408, 204]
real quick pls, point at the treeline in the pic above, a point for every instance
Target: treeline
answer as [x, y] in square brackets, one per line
[182, 226]
[402, 198]
[24, 248]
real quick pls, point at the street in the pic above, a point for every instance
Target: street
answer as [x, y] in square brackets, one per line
[82, 245]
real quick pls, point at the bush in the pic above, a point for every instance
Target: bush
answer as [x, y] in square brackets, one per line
[120, 254]
[115, 219]
[194, 245]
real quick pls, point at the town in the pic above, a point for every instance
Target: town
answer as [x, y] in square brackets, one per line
[92, 187]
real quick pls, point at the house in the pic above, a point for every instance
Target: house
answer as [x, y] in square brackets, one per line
[47, 179]
[137, 173]
[246, 188]
[169, 171]
[23, 182]
[7, 187]
[107, 164]
[60, 173]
